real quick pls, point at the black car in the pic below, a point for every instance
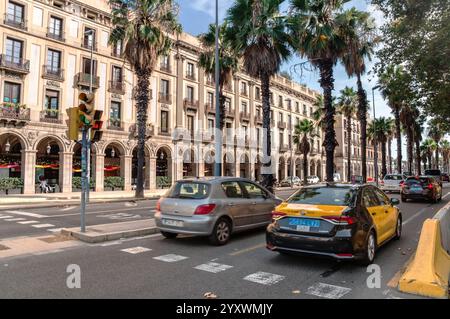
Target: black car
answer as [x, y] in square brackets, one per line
[436, 173]
[422, 187]
[339, 221]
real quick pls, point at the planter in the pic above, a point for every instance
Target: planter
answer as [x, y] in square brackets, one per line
[13, 191]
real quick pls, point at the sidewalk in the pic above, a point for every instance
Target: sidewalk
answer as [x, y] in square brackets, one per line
[54, 199]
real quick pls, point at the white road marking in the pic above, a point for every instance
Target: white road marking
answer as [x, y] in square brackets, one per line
[3, 217]
[27, 222]
[120, 216]
[16, 212]
[14, 219]
[42, 225]
[170, 258]
[213, 267]
[67, 208]
[415, 215]
[327, 291]
[111, 244]
[55, 230]
[136, 250]
[103, 212]
[264, 278]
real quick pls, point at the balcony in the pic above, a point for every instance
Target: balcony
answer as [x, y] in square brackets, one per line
[10, 112]
[116, 53]
[115, 125]
[165, 68]
[189, 104]
[165, 98]
[17, 65]
[52, 73]
[149, 132]
[16, 22]
[258, 119]
[116, 86]
[230, 113]
[245, 116]
[208, 136]
[284, 148]
[51, 116]
[84, 79]
[55, 34]
[190, 76]
[210, 82]
[86, 44]
[228, 87]
[210, 108]
[281, 125]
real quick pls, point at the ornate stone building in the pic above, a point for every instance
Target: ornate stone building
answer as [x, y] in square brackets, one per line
[45, 62]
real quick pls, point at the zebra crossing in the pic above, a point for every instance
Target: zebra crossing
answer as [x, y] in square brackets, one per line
[11, 217]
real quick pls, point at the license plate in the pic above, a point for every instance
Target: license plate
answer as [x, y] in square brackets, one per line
[416, 189]
[299, 223]
[172, 222]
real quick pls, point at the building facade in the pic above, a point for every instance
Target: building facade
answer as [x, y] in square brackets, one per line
[340, 155]
[45, 62]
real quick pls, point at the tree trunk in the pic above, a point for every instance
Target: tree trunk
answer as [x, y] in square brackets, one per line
[267, 176]
[399, 139]
[429, 160]
[327, 84]
[383, 159]
[305, 168]
[349, 148]
[418, 157]
[410, 144]
[362, 116]
[390, 154]
[436, 152]
[142, 98]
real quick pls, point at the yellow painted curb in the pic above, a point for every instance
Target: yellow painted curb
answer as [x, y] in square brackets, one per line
[428, 274]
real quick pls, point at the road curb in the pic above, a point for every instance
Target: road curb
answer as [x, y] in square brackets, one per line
[97, 234]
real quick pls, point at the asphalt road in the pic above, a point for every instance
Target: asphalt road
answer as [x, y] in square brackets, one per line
[188, 267]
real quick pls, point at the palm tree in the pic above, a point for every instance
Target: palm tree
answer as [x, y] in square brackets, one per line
[347, 104]
[228, 61]
[317, 30]
[257, 31]
[141, 27]
[303, 132]
[428, 147]
[408, 116]
[390, 86]
[390, 137]
[361, 41]
[445, 150]
[435, 133]
[418, 130]
[378, 130]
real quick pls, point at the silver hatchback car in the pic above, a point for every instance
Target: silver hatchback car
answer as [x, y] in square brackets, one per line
[214, 207]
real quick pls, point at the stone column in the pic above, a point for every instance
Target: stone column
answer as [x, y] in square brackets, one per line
[252, 170]
[125, 170]
[179, 91]
[201, 167]
[152, 175]
[147, 173]
[65, 171]
[99, 172]
[29, 171]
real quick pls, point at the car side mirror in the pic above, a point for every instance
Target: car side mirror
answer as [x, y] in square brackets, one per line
[395, 201]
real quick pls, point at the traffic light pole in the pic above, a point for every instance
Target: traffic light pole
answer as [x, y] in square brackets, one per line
[88, 187]
[84, 179]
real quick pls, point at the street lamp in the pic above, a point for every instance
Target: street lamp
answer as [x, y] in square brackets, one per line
[218, 135]
[113, 153]
[375, 144]
[7, 146]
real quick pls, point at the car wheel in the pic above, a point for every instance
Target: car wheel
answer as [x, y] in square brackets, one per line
[370, 249]
[440, 197]
[221, 232]
[434, 199]
[398, 228]
[169, 235]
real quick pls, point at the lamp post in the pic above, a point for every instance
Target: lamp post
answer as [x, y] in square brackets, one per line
[375, 143]
[218, 133]
[88, 149]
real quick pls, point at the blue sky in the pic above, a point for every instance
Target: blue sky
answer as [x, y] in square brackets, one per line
[195, 15]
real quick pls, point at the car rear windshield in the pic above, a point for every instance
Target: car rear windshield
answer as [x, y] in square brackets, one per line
[393, 177]
[420, 180]
[337, 196]
[191, 190]
[433, 172]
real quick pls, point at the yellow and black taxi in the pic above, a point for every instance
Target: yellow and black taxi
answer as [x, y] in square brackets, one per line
[342, 221]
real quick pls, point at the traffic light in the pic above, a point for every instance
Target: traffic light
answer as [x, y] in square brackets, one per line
[86, 108]
[73, 123]
[97, 123]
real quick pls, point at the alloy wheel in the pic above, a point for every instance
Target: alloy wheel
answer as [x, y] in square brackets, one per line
[223, 231]
[371, 247]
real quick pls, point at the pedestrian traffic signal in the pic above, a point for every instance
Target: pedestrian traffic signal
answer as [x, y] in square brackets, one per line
[96, 128]
[73, 123]
[86, 108]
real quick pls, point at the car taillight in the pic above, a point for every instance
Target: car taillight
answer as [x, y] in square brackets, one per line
[402, 183]
[430, 186]
[204, 209]
[277, 214]
[158, 206]
[346, 220]
[381, 182]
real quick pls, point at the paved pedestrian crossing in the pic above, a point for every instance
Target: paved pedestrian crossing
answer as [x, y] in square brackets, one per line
[8, 216]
